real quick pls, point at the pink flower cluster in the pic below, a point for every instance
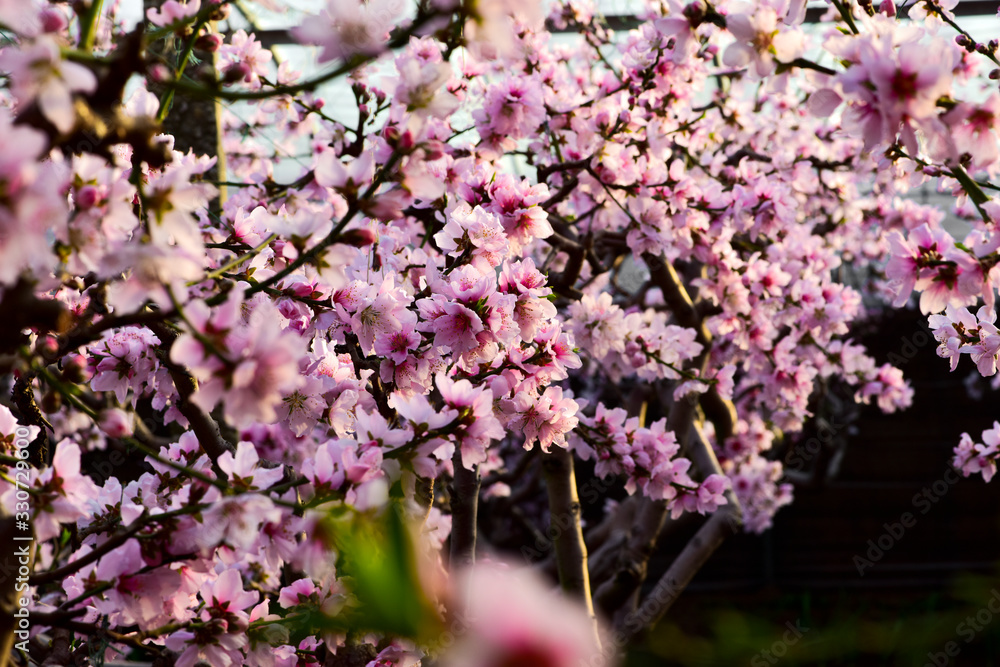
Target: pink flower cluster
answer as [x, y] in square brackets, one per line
[509, 229]
[972, 457]
[647, 458]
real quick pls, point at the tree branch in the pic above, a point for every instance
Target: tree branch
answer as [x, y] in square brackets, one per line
[543, 173]
[109, 545]
[724, 522]
[464, 512]
[423, 496]
[721, 412]
[634, 560]
[205, 428]
[564, 510]
[60, 654]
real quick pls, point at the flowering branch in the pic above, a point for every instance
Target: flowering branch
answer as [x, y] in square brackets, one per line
[724, 522]
[205, 428]
[721, 412]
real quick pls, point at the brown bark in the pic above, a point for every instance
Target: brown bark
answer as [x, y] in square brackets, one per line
[719, 526]
[564, 508]
[464, 513]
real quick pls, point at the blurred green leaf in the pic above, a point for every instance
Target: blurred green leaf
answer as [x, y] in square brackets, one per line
[377, 562]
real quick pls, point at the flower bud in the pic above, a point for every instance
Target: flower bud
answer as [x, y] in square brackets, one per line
[209, 43]
[694, 13]
[86, 197]
[52, 20]
[46, 345]
[74, 368]
[51, 402]
[116, 423]
[433, 151]
[236, 72]
[406, 142]
[359, 238]
[158, 72]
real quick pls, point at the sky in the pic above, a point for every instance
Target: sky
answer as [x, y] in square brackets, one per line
[982, 28]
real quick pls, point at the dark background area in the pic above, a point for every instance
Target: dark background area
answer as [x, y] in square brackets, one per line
[910, 602]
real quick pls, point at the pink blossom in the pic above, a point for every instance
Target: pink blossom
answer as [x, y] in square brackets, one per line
[516, 619]
[759, 39]
[345, 27]
[235, 521]
[244, 49]
[920, 262]
[474, 231]
[259, 363]
[546, 418]
[477, 424]
[331, 172]
[173, 13]
[423, 76]
[453, 324]
[513, 109]
[971, 457]
[37, 73]
[244, 470]
[223, 638]
[974, 128]
[117, 423]
[381, 314]
[62, 492]
[598, 324]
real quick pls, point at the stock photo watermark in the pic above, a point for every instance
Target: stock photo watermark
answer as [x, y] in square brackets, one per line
[910, 346]
[967, 630]
[924, 500]
[779, 648]
[23, 540]
[806, 451]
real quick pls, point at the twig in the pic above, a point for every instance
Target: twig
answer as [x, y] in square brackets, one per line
[111, 544]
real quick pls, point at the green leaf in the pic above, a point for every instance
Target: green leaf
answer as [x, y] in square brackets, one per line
[377, 562]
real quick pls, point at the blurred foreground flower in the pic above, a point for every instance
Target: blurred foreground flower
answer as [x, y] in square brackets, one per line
[512, 617]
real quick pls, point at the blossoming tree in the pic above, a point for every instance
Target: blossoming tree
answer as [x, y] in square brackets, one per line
[256, 428]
